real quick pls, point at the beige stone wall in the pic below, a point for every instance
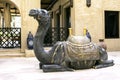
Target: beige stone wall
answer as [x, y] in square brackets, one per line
[113, 5]
[89, 17]
[28, 23]
[93, 19]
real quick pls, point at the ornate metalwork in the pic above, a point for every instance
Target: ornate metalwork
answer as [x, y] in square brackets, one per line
[10, 37]
[52, 36]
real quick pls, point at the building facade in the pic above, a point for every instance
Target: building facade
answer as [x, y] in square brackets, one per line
[101, 18]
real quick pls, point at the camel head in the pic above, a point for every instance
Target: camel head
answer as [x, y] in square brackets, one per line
[39, 14]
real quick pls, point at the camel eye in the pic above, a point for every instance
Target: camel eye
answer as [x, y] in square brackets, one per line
[43, 12]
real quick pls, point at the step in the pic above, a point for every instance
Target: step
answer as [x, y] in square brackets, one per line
[9, 50]
[11, 53]
[7, 55]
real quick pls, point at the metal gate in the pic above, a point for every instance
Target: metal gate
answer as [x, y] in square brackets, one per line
[52, 36]
[10, 37]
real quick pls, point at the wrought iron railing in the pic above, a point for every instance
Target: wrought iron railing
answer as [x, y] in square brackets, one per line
[10, 37]
[54, 34]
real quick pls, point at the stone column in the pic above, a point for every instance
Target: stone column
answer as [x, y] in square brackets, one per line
[7, 15]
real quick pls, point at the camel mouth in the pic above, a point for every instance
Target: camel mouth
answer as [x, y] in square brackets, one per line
[39, 13]
[33, 12]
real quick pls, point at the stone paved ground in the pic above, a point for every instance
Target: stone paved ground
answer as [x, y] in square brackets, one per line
[21, 68]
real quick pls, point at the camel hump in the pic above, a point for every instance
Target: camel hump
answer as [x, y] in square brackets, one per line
[79, 48]
[81, 40]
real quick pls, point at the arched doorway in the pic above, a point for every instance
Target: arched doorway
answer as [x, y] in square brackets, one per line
[10, 25]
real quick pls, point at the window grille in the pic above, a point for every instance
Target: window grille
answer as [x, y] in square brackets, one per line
[10, 37]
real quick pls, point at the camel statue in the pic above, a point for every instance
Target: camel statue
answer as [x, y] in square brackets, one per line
[75, 53]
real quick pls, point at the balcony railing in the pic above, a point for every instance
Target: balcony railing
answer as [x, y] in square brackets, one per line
[10, 37]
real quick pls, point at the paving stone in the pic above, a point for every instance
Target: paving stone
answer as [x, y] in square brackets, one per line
[22, 68]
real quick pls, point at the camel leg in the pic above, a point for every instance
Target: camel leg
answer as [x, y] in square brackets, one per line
[103, 54]
[40, 65]
[104, 64]
[55, 68]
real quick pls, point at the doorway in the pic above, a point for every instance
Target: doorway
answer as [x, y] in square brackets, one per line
[58, 26]
[111, 24]
[67, 20]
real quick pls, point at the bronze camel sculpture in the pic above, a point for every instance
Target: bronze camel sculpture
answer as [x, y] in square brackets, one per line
[67, 55]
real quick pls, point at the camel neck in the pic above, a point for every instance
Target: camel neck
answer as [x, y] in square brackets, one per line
[41, 54]
[41, 31]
